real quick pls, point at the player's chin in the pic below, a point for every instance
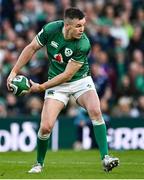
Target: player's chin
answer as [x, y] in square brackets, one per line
[78, 36]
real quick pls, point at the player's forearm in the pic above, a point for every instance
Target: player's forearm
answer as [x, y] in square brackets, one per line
[24, 57]
[61, 78]
[71, 68]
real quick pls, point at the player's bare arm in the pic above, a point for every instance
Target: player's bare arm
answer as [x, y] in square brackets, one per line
[24, 57]
[71, 68]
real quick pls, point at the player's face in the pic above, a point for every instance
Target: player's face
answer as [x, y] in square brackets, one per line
[76, 28]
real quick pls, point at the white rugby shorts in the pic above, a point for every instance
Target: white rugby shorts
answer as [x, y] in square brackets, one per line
[64, 91]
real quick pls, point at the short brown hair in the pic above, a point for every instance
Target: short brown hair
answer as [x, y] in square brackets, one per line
[73, 13]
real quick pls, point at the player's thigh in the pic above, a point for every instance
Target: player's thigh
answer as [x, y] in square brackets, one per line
[89, 100]
[51, 110]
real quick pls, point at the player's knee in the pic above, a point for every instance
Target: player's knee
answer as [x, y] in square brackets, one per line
[45, 129]
[94, 113]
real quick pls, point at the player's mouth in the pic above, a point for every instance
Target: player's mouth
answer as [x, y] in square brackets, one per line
[80, 34]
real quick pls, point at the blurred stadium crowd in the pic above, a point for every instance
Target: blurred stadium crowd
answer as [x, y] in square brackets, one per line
[116, 32]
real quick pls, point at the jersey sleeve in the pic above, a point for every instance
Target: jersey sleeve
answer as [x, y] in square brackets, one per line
[47, 31]
[81, 52]
[42, 36]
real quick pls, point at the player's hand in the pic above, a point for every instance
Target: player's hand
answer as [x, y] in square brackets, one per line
[9, 80]
[35, 87]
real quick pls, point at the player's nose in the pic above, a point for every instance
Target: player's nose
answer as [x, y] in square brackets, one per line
[81, 29]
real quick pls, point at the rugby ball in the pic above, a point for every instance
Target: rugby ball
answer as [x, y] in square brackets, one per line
[20, 85]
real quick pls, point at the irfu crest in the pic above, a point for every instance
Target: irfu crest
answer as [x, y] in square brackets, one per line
[68, 52]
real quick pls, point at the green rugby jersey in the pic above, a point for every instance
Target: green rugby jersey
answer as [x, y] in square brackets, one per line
[60, 50]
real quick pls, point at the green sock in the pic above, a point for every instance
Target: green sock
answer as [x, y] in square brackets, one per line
[42, 146]
[100, 136]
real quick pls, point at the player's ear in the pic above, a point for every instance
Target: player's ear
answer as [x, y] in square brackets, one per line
[66, 25]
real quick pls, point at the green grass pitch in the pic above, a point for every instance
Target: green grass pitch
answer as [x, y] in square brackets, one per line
[68, 164]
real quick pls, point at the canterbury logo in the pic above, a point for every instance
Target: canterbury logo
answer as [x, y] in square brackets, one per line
[54, 44]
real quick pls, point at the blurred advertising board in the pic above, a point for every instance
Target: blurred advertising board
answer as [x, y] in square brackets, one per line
[20, 134]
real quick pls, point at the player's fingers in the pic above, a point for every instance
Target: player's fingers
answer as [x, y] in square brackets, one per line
[31, 82]
[9, 80]
[10, 87]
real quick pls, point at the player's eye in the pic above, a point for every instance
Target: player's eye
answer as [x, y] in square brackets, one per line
[78, 25]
